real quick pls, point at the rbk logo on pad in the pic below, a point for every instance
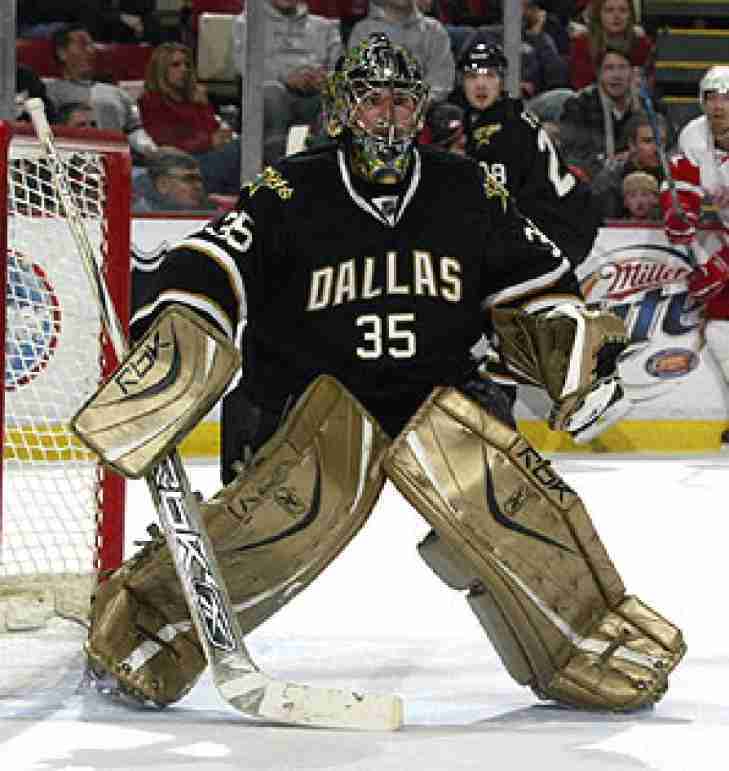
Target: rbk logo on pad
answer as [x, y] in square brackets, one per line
[132, 375]
[503, 519]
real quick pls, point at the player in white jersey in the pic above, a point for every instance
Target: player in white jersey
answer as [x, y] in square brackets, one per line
[700, 172]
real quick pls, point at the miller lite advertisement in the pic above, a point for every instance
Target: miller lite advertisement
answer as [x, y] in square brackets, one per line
[666, 370]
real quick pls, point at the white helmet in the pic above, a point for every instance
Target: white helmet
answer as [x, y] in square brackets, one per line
[715, 79]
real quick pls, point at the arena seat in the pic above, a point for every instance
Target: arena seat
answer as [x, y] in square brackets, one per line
[38, 55]
[118, 61]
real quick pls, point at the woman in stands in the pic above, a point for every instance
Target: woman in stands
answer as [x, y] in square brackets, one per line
[611, 24]
[176, 112]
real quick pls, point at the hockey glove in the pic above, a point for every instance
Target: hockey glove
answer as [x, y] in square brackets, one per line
[680, 226]
[569, 350]
[709, 279]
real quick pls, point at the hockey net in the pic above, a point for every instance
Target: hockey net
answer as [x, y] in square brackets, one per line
[62, 513]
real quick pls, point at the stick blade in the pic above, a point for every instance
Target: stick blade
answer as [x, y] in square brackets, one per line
[257, 695]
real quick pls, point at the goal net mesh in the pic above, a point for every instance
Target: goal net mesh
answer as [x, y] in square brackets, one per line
[60, 512]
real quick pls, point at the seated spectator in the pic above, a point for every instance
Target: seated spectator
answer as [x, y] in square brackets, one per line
[299, 50]
[175, 112]
[120, 21]
[426, 39]
[607, 186]
[114, 109]
[76, 115]
[27, 86]
[542, 68]
[640, 196]
[594, 121]
[172, 182]
[537, 20]
[611, 25]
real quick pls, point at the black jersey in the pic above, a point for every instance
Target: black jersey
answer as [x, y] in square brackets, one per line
[383, 288]
[511, 143]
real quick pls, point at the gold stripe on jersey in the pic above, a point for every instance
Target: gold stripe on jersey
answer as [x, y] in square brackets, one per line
[532, 286]
[192, 300]
[546, 302]
[224, 261]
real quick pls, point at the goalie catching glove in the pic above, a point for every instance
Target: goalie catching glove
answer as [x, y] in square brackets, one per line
[570, 351]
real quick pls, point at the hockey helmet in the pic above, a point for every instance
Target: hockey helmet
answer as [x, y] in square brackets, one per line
[482, 56]
[380, 152]
[715, 79]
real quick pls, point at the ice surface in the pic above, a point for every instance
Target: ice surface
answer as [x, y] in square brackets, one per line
[379, 620]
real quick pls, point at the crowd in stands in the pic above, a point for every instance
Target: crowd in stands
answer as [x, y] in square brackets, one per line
[582, 62]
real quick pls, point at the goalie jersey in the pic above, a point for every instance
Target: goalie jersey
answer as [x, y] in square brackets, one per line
[384, 287]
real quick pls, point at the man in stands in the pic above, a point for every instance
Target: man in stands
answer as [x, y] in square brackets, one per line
[76, 115]
[300, 48]
[700, 171]
[425, 37]
[593, 123]
[171, 182]
[114, 109]
[607, 185]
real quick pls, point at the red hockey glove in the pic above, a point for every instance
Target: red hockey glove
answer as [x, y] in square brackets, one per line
[680, 227]
[709, 279]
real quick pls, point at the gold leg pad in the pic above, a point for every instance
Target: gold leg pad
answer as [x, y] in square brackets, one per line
[539, 578]
[306, 494]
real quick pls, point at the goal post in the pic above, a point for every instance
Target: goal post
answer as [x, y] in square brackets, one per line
[61, 512]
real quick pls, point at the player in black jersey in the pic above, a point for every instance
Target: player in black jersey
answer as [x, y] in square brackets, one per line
[517, 150]
[511, 144]
[363, 272]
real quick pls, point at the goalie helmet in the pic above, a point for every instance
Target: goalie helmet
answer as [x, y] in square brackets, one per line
[715, 79]
[381, 150]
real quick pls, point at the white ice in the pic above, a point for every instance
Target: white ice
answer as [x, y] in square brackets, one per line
[379, 620]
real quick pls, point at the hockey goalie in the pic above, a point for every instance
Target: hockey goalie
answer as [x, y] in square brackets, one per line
[365, 271]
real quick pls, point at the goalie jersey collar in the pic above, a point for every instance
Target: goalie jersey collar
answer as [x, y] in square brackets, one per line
[387, 209]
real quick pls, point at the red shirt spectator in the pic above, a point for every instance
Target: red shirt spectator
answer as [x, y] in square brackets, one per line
[174, 108]
[612, 24]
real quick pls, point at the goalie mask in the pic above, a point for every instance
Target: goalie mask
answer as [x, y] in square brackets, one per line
[376, 98]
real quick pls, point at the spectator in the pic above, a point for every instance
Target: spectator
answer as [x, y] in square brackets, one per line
[114, 109]
[176, 113]
[27, 86]
[445, 124]
[611, 25]
[640, 196]
[76, 115]
[607, 186]
[172, 182]
[121, 21]
[701, 171]
[542, 68]
[536, 20]
[426, 39]
[299, 50]
[593, 124]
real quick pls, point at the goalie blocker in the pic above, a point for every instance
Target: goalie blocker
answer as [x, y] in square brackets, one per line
[506, 528]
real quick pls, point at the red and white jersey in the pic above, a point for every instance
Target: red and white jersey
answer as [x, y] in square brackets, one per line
[700, 169]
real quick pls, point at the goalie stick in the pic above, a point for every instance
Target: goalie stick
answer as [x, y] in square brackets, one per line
[239, 681]
[650, 112]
